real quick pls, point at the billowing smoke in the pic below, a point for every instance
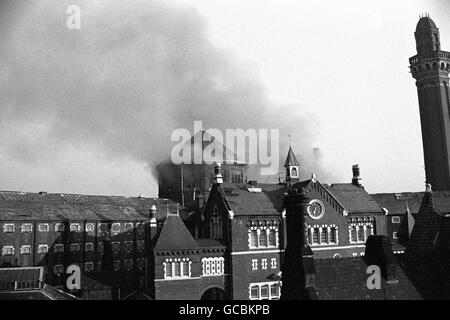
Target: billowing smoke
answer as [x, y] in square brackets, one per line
[119, 86]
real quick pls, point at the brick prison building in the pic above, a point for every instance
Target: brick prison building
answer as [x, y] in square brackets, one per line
[107, 237]
[230, 248]
[239, 239]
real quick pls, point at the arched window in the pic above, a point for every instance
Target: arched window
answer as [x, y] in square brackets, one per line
[213, 266]
[353, 236]
[272, 238]
[294, 172]
[253, 234]
[315, 236]
[333, 235]
[323, 235]
[263, 238]
[177, 268]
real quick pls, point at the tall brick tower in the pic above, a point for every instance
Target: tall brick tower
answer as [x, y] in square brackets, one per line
[430, 67]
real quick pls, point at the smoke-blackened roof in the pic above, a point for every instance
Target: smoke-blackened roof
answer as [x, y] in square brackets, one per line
[59, 206]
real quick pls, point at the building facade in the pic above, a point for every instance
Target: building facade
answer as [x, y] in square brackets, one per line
[107, 237]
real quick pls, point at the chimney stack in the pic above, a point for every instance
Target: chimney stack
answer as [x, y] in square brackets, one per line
[379, 252]
[218, 173]
[153, 216]
[298, 270]
[356, 176]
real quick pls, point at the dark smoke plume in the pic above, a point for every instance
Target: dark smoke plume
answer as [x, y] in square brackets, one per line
[119, 86]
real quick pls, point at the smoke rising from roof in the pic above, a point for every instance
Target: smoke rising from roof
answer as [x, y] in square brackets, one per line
[115, 90]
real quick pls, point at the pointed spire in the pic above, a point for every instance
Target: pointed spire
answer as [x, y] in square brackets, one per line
[291, 160]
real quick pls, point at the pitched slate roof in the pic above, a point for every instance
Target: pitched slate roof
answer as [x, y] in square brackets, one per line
[175, 236]
[244, 202]
[58, 206]
[346, 279]
[291, 160]
[355, 199]
[396, 203]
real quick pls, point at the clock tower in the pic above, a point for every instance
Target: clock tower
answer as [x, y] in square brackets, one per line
[431, 67]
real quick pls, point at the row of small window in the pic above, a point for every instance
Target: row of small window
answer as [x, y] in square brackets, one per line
[213, 266]
[359, 233]
[177, 268]
[265, 291]
[117, 266]
[325, 235]
[73, 247]
[10, 250]
[74, 227]
[273, 264]
[263, 237]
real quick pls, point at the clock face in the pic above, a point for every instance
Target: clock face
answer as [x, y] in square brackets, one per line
[316, 209]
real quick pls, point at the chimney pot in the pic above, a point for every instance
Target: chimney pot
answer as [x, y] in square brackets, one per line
[153, 215]
[218, 173]
[356, 175]
[379, 252]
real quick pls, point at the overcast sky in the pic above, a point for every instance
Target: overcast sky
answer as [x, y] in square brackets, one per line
[332, 73]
